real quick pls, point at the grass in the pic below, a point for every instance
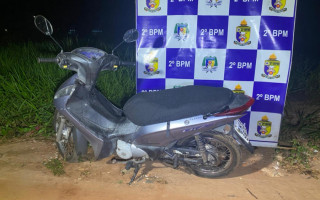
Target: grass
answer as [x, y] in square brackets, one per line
[300, 158]
[55, 166]
[300, 128]
[27, 87]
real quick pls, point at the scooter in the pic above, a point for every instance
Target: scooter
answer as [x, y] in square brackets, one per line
[197, 127]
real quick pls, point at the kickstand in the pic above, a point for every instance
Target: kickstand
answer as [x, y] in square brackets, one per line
[136, 167]
[175, 161]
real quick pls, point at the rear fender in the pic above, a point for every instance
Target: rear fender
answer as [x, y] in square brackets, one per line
[248, 146]
[224, 129]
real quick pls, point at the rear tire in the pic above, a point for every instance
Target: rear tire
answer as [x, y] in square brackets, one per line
[72, 145]
[225, 158]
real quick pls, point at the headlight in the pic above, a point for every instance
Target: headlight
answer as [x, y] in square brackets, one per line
[66, 91]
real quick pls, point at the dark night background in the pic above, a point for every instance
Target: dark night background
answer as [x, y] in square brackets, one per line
[114, 17]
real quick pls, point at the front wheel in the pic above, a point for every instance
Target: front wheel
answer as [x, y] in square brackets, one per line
[70, 142]
[222, 154]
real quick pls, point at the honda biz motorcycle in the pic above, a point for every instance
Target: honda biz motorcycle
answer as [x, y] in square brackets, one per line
[197, 127]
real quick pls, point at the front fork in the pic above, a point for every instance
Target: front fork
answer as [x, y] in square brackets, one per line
[61, 133]
[60, 128]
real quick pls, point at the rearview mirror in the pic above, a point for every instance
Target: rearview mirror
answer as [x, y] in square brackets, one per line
[43, 25]
[131, 35]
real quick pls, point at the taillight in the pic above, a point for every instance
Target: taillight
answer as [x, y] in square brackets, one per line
[237, 110]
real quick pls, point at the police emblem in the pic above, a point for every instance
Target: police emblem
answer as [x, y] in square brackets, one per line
[264, 128]
[209, 64]
[271, 67]
[238, 89]
[243, 34]
[181, 31]
[214, 3]
[278, 6]
[152, 5]
[151, 65]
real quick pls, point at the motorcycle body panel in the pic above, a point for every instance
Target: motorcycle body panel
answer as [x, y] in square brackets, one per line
[77, 111]
[103, 124]
[103, 133]
[163, 134]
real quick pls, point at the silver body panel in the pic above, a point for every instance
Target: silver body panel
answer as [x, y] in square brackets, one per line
[103, 134]
[158, 135]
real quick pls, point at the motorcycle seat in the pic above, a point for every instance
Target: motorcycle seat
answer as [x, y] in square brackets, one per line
[178, 103]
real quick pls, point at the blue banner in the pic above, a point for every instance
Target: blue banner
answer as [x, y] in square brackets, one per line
[243, 45]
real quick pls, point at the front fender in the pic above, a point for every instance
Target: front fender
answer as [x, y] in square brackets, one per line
[100, 145]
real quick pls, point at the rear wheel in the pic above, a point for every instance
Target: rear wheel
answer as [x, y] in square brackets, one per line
[71, 144]
[222, 154]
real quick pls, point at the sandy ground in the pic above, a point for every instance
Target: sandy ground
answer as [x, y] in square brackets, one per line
[24, 176]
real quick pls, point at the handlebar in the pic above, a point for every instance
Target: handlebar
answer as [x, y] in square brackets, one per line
[48, 60]
[57, 60]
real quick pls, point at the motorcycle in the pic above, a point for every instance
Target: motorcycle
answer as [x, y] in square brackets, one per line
[197, 127]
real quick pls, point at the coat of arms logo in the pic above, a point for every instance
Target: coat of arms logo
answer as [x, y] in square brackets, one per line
[151, 64]
[243, 34]
[152, 5]
[181, 31]
[278, 6]
[209, 64]
[271, 67]
[264, 128]
[214, 3]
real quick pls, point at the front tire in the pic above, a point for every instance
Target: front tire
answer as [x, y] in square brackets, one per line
[222, 151]
[72, 145]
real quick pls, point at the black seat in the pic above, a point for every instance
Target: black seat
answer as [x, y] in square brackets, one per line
[173, 104]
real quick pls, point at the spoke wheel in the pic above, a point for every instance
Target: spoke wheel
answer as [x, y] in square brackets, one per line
[222, 153]
[67, 142]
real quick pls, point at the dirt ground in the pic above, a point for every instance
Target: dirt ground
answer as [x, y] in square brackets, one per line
[24, 176]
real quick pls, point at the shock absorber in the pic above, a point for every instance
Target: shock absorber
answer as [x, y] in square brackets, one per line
[202, 148]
